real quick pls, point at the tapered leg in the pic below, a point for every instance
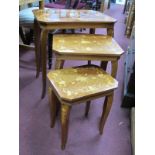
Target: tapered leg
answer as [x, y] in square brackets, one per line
[59, 64]
[37, 32]
[50, 50]
[114, 66]
[52, 105]
[43, 54]
[65, 111]
[87, 108]
[106, 109]
[57, 107]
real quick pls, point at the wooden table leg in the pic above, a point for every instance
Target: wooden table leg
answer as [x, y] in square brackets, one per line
[108, 99]
[104, 65]
[89, 62]
[106, 109]
[114, 66]
[58, 105]
[52, 105]
[65, 111]
[110, 31]
[50, 50]
[59, 64]
[37, 32]
[43, 54]
[92, 31]
[87, 108]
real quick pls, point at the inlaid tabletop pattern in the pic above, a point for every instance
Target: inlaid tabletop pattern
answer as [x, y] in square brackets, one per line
[70, 15]
[86, 44]
[74, 83]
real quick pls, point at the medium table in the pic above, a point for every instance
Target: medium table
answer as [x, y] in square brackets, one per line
[51, 19]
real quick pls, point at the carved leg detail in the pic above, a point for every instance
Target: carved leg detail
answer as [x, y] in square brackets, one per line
[87, 108]
[65, 111]
[106, 109]
[52, 105]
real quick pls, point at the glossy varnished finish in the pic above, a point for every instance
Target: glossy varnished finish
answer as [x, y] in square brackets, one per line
[86, 44]
[79, 85]
[87, 47]
[68, 16]
[74, 84]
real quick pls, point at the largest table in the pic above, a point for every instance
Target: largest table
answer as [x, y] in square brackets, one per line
[51, 19]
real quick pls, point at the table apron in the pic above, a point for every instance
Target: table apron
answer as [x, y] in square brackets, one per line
[87, 57]
[76, 25]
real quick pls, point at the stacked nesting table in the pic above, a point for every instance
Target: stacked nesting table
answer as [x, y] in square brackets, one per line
[51, 19]
[81, 84]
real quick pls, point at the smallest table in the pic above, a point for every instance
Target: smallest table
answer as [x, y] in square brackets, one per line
[77, 85]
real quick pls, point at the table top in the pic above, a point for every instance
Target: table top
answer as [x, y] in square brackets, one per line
[76, 83]
[69, 15]
[86, 44]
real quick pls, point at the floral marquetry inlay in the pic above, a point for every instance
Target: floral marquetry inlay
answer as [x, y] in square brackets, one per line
[86, 44]
[75, 83]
